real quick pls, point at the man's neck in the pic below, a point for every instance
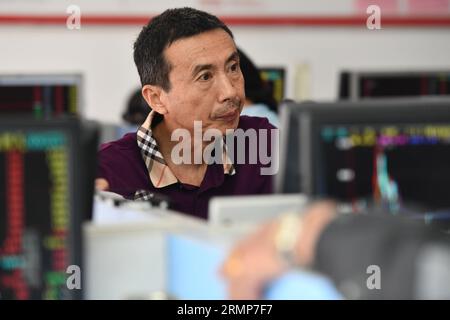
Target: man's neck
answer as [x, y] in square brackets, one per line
[189, 172]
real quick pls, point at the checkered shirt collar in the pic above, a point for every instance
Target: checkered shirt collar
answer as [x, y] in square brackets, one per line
[160, 174]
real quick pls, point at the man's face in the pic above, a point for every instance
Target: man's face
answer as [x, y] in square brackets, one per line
[206, 82]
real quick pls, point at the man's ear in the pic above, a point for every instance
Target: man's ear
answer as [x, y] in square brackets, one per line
[153, 96]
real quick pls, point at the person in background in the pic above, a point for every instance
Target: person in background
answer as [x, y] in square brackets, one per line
[412, 259]
[135, 113]
[259, 101]
[137, 109]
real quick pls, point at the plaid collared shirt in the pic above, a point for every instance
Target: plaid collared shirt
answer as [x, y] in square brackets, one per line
[159, 172]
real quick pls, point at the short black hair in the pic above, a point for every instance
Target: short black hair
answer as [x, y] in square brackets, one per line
[161, 32]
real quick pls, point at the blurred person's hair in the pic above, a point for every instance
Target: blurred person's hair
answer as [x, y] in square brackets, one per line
[160, 33]
[256, 89]
[137, 109]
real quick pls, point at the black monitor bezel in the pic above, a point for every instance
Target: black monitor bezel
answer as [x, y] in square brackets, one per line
[304, 120]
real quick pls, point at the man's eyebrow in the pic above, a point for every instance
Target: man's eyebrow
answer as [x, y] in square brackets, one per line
[233, 56]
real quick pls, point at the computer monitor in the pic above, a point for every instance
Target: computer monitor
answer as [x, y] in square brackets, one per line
[45, 95]
[46, 187]
[357, 85]
[248, 211]
[276, 80]
[394, 153]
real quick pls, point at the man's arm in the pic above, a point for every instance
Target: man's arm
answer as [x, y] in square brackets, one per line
[344, 248]
[255, 261]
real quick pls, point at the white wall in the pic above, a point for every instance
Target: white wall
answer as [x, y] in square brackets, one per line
[329, 50]
[104, 55]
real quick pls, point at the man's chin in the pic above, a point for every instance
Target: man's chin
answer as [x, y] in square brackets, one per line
[231, 125]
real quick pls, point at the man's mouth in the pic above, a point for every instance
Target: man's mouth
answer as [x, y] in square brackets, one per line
[229, 116]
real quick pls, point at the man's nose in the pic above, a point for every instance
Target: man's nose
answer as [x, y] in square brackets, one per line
[227, 88]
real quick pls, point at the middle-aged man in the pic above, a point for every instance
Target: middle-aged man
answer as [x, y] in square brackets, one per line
[189, 69]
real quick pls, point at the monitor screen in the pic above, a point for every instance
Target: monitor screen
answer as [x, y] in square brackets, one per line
[365, 84]
[45, 194]
[394, 154]
[40, 95]
[276, 79]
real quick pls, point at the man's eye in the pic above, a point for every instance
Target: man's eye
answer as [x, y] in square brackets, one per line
[205, 77]
[234, 67]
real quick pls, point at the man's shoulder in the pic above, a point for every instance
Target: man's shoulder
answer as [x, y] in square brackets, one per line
[249, 122]
[127, 142]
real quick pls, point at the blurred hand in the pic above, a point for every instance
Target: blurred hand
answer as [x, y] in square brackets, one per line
[254, 262]
[101, 184]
